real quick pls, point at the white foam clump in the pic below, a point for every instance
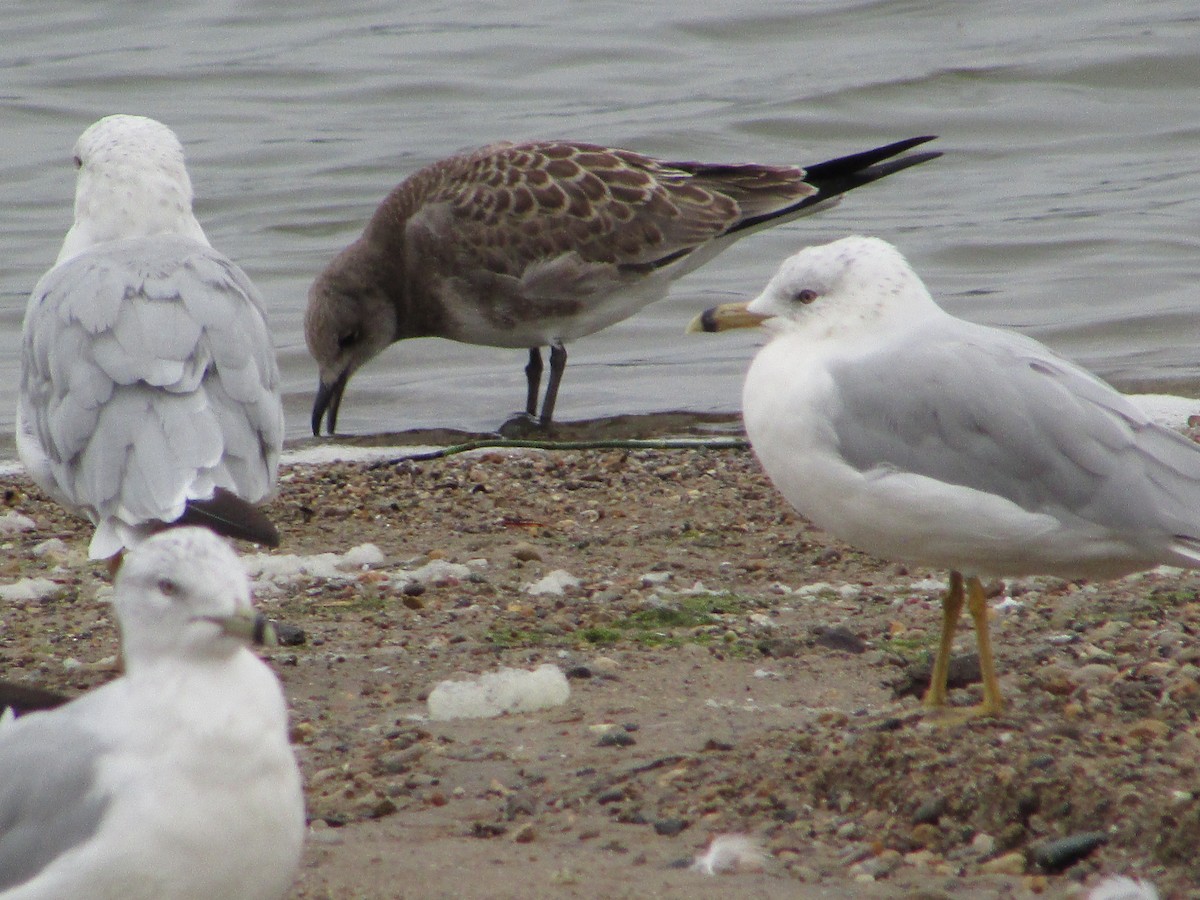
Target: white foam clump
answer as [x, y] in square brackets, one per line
[554, 584]
[824, 587]
[1120, 887]
[436, 570]
[925, 586]
[495, 693]
[12, 522]
[29, 589]
[728, 854]
[288, 566]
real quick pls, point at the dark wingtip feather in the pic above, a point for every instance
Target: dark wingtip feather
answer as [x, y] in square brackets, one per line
[837, 176]
[22, 698]
[230, 516]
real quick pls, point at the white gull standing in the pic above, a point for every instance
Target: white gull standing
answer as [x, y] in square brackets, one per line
[917, 436]
[149, 388]
[175, 780]
[536, 244]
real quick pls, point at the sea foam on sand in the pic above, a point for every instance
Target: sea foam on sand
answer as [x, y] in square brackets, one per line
[495, 693]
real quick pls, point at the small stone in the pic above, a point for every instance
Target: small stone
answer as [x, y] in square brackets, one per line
[780, 648]
[983, 844]
[1156, 669]
[526, 552]
[319, 832]
[926, 834]
[1184, 746]
[1057, 855]
[616, 739]
[1147, 730]
[50, 547]
[920, 858]
[1054, 680]
[12, 522]
[838, 637]
[289, 635]
[1009, 864]
[882, 865]
[524, 833]
[930, 811]
[670, 827]
[604, 665]
[401, 761]
[1184, 688]
[1096, 673]
[850, 831]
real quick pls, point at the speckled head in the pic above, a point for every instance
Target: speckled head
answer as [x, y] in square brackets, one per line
[853, 280]
[132, 182]
[183, 591]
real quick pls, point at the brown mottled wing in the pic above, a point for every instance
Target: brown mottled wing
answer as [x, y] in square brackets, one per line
[508, 207]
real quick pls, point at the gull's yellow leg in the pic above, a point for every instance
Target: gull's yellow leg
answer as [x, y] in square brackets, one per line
[977, 604]
[952, 605]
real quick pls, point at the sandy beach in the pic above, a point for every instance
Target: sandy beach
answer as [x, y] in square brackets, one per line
[732, 670]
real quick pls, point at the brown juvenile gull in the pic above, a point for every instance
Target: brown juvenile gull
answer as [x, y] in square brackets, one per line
[540, 243]
[917, 436]
[149, 388]
[176, 780]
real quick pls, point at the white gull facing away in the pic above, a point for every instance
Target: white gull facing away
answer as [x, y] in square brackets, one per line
[149, 388]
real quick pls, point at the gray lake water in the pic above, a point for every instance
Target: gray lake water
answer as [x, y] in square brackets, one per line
[1067, 205]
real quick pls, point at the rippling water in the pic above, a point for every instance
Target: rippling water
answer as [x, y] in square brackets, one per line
[1067, 205]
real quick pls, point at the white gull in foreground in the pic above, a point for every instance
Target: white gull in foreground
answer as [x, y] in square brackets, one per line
[149, 388]
[177, 779]
[920, 437]
[536, 244]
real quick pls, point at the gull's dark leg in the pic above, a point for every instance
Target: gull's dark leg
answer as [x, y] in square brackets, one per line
[952, 605]
[533, 375]
[558, 362]
[977, 605]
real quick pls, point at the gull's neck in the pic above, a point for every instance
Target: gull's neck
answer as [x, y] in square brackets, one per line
[119, 203]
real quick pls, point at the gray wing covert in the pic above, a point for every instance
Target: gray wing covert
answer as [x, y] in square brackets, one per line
[548, 220]
[48, 797]
[1006, 416]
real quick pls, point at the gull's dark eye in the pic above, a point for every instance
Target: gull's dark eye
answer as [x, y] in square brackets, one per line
[78, 163]
[808, 295]
[349, 339]
[167, 587]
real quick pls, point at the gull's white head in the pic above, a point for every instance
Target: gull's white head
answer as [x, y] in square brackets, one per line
[856, 280]
[132, 183]
[183, 593]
